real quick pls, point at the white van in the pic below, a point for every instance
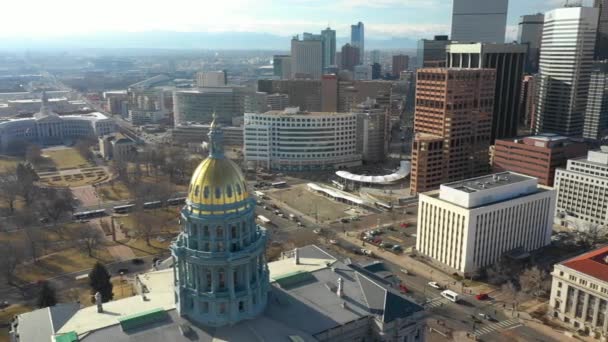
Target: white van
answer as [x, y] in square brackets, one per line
[450, 295]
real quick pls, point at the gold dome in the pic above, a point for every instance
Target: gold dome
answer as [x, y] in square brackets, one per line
[217, 181]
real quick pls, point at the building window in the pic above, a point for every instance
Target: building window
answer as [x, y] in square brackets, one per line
[241, 306]
[205, 307]
[222, 310]
[559, 284]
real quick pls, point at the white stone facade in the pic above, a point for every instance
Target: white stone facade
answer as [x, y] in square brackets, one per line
[501, 216]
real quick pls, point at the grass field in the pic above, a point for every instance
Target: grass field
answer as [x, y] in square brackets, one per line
[116, 191]
[66, 158]
[66, 261]
[7, 163]
[310, 204]
[141, 249]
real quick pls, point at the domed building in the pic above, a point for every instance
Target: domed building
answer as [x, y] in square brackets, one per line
[220, 271]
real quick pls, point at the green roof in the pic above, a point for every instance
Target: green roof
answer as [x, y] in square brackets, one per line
[67, 337]
[295, 338]
[293, 278]
[142, 318]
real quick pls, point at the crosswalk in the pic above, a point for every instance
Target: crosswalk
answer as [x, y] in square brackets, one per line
[495, 326]
[435, 302]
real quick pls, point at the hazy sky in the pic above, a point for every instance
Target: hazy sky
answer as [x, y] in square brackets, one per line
[382, 18]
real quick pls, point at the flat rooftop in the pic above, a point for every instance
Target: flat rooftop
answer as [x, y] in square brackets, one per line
[486, 190]
[288, 112]
[488, 182]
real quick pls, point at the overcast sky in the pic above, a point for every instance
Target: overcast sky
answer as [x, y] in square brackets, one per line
[383, 18]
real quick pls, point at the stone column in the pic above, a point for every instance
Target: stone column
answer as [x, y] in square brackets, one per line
[229, 277]
[248, 277]
[596, 310]
[585, 305]
[214, 280]
[574, 302]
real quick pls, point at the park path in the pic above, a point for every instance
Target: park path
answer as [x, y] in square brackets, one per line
[86, 195]
[119, 252]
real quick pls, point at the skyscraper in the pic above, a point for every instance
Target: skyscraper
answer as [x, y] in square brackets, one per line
[329, 47]
[375, 56]
[452, 122]
[357, 39]
[282, 66]
[431, 53]
[530, 33]
[566, 59]
[400, 63]
[306, 58]
[350, 57]
[508, 60]
[601, 45]
[479, 21]
[596, 112]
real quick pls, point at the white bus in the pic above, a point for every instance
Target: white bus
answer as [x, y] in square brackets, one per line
[450, 295]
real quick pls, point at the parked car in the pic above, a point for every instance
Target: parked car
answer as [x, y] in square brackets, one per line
[344, 220]
[482, 296]
[137, 261]
[367, 252]
[434, 285]
[397, 248]
[485, 316]
[386, 245]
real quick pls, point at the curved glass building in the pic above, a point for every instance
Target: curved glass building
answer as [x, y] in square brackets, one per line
[221, 276]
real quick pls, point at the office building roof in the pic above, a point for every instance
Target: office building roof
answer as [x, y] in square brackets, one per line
[485, 183]
[593, 264]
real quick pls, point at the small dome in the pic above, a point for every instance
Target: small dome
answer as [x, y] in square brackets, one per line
[217, 181]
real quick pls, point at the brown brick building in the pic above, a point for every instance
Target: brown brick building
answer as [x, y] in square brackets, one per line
[452, 122]
[536, 156]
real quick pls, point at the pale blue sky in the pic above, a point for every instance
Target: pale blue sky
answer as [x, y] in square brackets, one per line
[383, 18]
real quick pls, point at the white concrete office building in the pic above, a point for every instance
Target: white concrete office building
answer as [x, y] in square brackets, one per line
[566, 61]
[211, 79]
[471, 224]
[579, 293]
[479, 21]
[292, 140]
[582, 190]
[306, 58]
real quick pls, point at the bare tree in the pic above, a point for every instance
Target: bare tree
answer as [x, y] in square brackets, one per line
[33, 154]
[55, 203]
[511, 293]
[145, 225]
[9, 188]
[26, 175]
[34, 236]
[497, 273]
[534, 281]
[590, 234]
[89, 239]
[10, 257]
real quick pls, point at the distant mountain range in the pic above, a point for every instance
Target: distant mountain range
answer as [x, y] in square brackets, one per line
[183, 40]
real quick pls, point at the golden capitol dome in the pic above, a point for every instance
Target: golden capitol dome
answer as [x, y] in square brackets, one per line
[217, 180]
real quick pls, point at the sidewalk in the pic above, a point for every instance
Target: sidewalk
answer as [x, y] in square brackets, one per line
[411, 264]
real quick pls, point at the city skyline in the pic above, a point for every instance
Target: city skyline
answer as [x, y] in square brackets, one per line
[383, 19]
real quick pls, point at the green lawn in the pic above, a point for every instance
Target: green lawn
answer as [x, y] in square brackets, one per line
[67, 158]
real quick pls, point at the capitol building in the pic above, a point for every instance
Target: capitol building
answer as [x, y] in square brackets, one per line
[48, 128]
[218, 285]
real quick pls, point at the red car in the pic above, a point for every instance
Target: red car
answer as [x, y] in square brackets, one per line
[482, 296]
[405, 225]
[403, 289]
